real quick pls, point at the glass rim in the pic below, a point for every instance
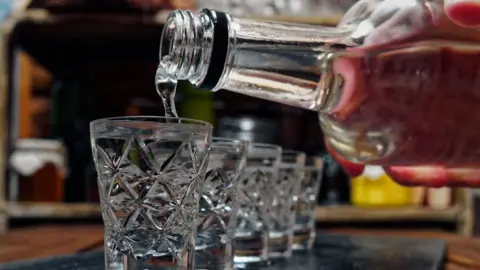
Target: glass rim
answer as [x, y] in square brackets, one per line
[229, 144]
[264, 150]
[265, 146]
[142, 118]
[229, 140]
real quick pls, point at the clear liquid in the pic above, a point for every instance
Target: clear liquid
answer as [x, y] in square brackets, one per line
[166, 88]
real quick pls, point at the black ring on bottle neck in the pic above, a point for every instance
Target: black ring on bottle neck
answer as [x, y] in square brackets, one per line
[219, 50]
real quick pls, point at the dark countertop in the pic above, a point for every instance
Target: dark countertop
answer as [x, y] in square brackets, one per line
[36, 242]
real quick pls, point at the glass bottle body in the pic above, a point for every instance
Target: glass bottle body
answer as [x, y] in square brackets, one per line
[392, 83]
[408, 108]
[414, 111]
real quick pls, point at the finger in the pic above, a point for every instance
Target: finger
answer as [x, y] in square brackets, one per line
[352, 169]
[465, 13]
[390, 20]
[435, 176]
[429, 176]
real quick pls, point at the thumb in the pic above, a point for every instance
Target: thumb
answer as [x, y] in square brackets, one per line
[465, 13]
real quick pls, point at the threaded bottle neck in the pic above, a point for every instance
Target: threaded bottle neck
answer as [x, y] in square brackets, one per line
[186, 46]
[270, 60]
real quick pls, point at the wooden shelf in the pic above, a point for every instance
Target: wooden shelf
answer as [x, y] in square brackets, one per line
[43, 16]
[457, 214]
[107, 37]
[357, 214]
[91, 24]
[39, 23]
[53, 210]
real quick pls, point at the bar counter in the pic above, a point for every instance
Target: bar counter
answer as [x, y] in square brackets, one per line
[463, 253]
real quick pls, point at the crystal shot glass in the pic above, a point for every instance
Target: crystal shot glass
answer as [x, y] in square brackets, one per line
[150, 171]
[305, 203]
[218, 204]
[255, 205]
[284, 189]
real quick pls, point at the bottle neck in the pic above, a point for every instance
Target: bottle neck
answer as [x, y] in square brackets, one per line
[186, 46]
[282, 62]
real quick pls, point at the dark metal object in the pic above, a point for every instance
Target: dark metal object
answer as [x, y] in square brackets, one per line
[331, 252]
[335, 188]
[253, 129]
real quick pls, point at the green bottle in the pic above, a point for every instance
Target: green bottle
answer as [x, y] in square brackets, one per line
[195, 103]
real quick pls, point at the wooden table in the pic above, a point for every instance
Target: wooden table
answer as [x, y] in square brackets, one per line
[30, 243]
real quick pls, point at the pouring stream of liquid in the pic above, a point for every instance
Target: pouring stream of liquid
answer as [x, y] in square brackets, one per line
[166, 88]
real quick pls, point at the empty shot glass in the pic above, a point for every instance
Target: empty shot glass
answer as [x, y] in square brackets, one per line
[149, 175]
[305, 203]
[255, 205]
[284, 189]
[218, 204]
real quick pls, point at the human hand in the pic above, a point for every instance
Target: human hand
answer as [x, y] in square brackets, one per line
[376, 23]
[379, 22]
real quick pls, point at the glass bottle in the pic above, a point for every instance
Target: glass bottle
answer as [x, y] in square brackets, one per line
[391, 82]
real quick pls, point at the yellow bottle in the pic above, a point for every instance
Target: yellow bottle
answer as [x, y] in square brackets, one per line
[375, 188]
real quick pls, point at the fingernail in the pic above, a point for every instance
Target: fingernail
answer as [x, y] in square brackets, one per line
[362, 31]
[465, 13]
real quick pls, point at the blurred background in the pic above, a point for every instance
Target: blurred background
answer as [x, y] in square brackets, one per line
[68, 62]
